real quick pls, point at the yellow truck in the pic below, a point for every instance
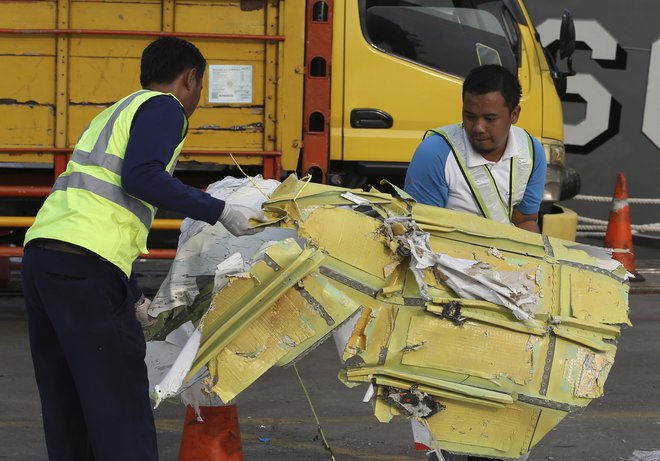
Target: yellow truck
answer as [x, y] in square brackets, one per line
[341, 90]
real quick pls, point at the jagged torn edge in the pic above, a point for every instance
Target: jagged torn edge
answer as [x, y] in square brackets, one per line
[172, 383]
[485, 284]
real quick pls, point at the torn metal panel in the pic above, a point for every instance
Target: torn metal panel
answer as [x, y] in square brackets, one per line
[348, 236]
[467, 349]
[288, 328]
[585, 372]
[585, 293]
[202, 247]
[168, 361]
[504, 329]
[471, 228]
[412, 402]
[244, 300]
[493, 432]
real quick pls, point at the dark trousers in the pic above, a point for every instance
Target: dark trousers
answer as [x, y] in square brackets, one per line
[88, 354]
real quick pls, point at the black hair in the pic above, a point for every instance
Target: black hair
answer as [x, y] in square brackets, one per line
[492, 77]
[164, 59]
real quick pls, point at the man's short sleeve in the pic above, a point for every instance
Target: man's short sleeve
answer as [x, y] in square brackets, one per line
[425, 178]
[531, 201]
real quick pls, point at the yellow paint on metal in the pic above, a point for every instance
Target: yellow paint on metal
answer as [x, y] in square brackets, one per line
[60, 82]
[561, 225]
[16, 87]
[62, 75]
[351, 241]
[270, 78]
[587, 293]
[247, 357]
[116, 15]
[513, 361]
[101, 69]
[503, 382]
[291, 67]
[18, 126]
[27, 221]
[16, 221]
[547, 421]
[434, 391]
[499, 432]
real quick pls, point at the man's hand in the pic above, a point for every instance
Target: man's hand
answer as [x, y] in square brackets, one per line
[236, 219]
[142, 314]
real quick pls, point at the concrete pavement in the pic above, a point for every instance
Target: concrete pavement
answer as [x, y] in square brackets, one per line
[277, 423]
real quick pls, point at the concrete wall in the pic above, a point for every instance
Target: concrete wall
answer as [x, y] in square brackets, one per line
[612, 111]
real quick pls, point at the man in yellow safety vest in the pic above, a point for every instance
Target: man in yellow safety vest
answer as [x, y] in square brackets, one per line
[87, 344]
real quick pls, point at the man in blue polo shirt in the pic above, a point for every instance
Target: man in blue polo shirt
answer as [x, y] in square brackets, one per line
[485, 165]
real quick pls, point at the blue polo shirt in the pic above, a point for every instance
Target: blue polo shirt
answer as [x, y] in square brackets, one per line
[434, 178]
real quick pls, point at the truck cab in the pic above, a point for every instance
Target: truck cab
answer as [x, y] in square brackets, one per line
[403, 63]
[342, 90]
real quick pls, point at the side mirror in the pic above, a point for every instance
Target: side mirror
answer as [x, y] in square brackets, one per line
[566, 35]
[564, 50]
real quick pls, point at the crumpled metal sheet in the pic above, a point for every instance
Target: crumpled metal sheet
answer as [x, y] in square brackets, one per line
[203, 246]
[505, 330]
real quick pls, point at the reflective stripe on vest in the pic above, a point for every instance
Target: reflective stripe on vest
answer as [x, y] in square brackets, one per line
[106, 190]
[88, 205]
[479, 178]
[98, 156]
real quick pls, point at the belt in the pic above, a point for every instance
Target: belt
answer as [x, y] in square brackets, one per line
[62, 247]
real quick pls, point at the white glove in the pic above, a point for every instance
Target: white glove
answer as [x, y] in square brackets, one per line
[142, 314]
[236, 219]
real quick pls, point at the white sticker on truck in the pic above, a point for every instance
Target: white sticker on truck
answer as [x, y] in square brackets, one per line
[230, 84]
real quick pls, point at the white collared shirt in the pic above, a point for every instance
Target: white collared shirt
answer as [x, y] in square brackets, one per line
[460, 197]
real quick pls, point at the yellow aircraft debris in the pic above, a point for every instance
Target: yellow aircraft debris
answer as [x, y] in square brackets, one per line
[484, 334]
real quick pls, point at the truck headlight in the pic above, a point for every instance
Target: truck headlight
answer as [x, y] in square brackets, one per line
[552, 191]
[555, 155]
[561, 183]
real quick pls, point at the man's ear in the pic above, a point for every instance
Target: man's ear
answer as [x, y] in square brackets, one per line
[515, 113]
[190, 78]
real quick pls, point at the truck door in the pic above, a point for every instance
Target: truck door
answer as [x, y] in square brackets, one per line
[404, 63]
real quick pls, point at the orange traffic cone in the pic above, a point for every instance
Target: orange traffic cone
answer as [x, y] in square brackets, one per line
[216, 438]
[619, 233]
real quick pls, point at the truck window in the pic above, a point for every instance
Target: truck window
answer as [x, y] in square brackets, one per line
[451, 36]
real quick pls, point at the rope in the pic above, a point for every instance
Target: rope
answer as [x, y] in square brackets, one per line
[308, 178]
[600, 198]
[591, 228]
[592, 220]
[600, 224]
[249, 178]
[653, 227]
[591, 234]
[316, 418]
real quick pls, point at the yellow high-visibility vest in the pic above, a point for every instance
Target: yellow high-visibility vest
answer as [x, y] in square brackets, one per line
[88, 206]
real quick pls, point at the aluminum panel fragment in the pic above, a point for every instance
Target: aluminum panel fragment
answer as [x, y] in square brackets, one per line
[484, 334]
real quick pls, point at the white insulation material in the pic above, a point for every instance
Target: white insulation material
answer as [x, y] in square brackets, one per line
[169, 361]
[203, 246]
[471, 279]
[205, 254]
